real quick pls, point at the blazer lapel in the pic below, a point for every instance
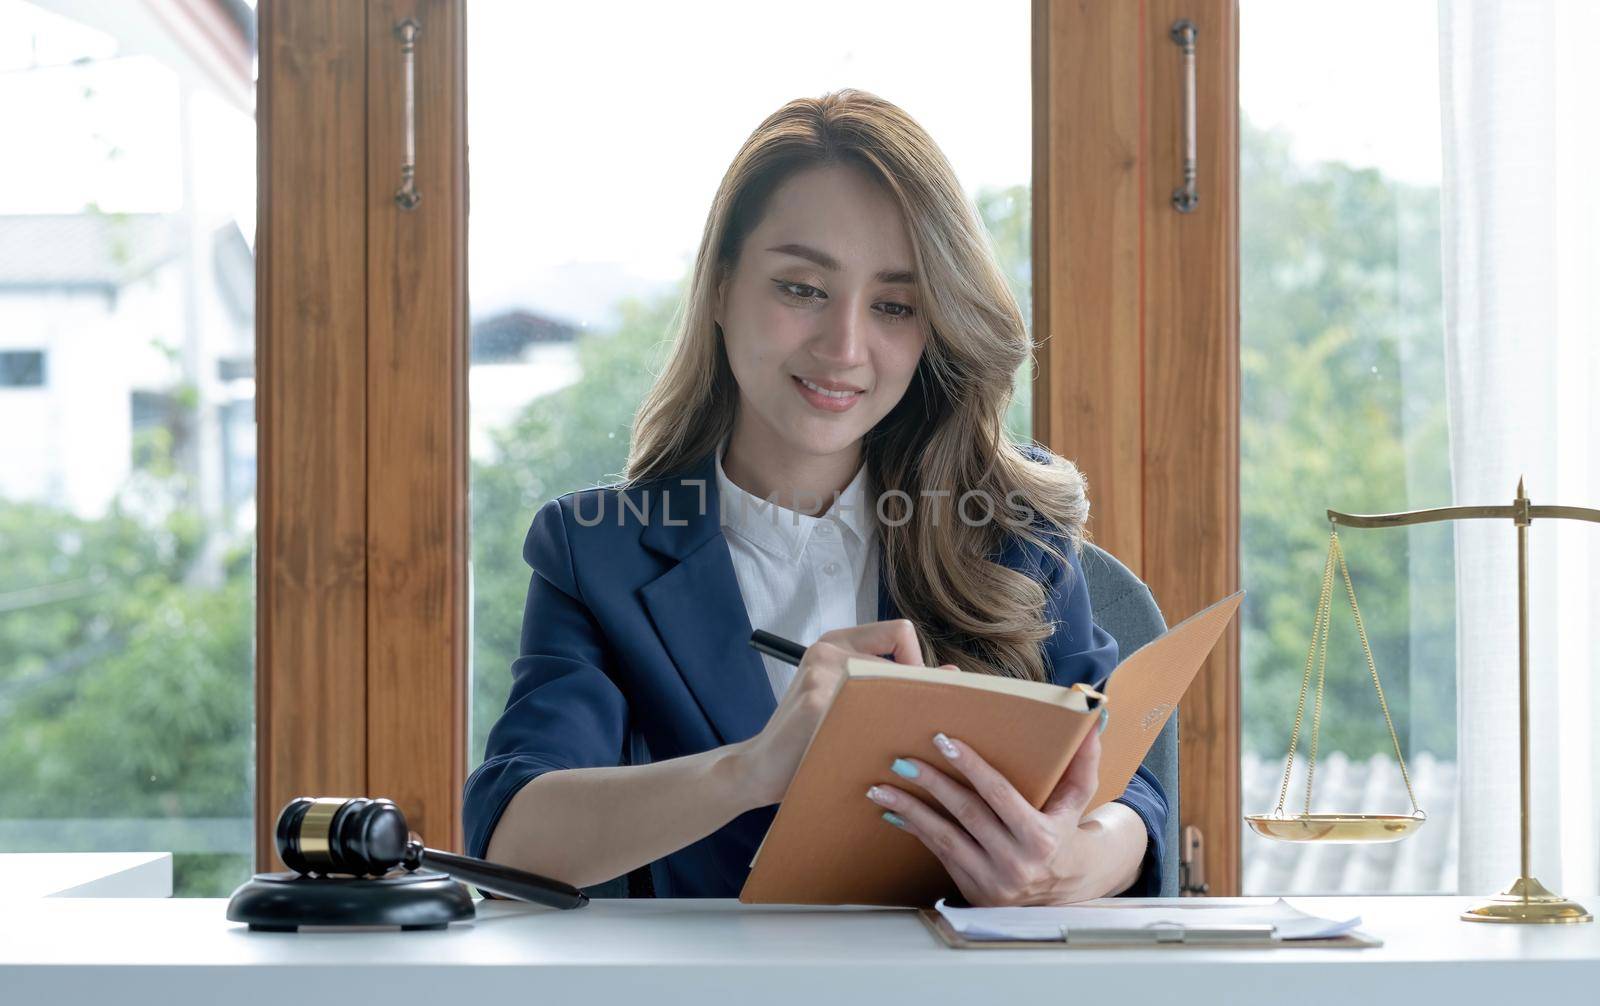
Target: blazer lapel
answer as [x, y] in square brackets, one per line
[697, 608]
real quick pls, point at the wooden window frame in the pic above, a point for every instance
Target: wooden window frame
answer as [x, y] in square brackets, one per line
[362, 368]
[361, 320]
[1137, 322]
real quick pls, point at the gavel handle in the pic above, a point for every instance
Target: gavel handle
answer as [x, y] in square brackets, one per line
[505, 880]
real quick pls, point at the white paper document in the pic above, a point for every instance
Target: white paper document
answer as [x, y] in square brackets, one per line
[1137, 916]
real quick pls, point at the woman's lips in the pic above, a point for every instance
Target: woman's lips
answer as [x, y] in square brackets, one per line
[827, 403]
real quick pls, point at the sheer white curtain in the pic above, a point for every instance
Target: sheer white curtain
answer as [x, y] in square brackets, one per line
[1519, 89]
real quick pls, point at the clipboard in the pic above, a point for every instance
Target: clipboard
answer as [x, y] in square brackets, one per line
[1255, 937]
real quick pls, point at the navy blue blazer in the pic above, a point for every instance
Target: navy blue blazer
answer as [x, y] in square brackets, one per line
[635, 648]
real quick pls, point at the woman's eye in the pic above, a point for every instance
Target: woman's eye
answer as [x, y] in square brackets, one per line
[807, 293]
[799, 291]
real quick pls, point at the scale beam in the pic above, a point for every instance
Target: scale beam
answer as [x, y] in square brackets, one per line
[1460, 513]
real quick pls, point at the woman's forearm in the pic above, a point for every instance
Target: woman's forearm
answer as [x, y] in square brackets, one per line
[1119, 843]
[588, 825]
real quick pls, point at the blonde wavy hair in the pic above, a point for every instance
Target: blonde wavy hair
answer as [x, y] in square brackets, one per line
[947, 433]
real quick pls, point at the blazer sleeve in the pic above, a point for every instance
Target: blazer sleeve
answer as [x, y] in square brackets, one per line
[563, 711]
[1081, 651]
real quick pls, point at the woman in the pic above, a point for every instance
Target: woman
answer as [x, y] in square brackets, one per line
[824, 457]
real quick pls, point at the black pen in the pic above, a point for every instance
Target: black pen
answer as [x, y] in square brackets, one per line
[786, 650]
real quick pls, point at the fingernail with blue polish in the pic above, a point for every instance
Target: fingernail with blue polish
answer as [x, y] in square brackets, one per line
[1105, 716]
[903, 768]
[894, 819]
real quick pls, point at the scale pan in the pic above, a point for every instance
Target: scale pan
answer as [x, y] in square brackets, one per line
[1344, 828]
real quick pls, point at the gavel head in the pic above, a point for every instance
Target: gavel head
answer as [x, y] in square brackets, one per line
[327, 835]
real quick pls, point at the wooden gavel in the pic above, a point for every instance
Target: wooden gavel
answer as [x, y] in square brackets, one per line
[368, 838]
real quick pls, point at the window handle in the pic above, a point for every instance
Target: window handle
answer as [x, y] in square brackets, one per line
[1192, 864]
[1186, 197]
[407, 197]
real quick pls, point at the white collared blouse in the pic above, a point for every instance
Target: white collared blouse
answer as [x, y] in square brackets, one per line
[801, 576]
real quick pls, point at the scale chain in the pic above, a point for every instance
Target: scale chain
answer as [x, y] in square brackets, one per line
[1305, 680]
[1319, 640]
[1373, 667]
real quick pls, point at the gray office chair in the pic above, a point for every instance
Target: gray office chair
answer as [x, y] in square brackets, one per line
[1121, 604]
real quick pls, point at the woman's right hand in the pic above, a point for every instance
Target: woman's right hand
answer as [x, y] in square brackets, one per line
[769, 759]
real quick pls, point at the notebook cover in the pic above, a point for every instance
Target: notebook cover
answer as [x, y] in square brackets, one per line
[1145, 688]
[828, 845]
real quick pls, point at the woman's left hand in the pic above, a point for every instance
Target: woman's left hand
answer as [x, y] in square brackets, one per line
[1003, 851]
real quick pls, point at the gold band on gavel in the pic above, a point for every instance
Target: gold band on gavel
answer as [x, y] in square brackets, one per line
[314, 828]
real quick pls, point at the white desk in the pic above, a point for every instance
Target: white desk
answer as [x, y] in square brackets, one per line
[646, 952]
[85, 875]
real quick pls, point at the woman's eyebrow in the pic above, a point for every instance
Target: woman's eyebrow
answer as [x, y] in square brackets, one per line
[831, 264]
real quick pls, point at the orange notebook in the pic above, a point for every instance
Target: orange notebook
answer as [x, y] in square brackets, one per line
[828, 844]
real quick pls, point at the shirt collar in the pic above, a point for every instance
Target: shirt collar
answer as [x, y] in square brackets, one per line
[781, 530]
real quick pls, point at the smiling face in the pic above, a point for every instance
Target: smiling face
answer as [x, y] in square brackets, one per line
[820, 316]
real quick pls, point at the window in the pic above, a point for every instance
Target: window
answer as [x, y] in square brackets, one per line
[126, 594]
[1343, 407]
[22, 368]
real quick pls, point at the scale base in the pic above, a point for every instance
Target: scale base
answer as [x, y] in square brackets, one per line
[1527, 901]
[283, 902]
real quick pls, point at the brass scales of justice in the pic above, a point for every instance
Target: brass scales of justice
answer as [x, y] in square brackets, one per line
[1526, 900]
